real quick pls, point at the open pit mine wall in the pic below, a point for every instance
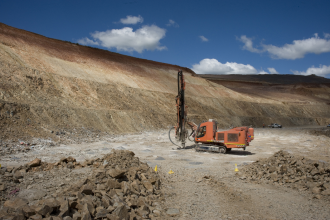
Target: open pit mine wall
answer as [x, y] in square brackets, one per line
[48, 84]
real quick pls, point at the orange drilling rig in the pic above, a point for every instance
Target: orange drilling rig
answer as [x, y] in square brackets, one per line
[206, 135]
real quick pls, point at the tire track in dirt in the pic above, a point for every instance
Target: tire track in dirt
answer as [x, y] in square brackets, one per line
[201, 196]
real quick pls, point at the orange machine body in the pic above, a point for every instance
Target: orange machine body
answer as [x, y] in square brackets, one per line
[238, 137]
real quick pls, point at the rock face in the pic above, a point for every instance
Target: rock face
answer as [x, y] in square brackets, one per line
[291, 171]
[122, 188]
[48, 83]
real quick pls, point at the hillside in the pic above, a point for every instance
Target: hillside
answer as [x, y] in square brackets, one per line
[268, 78]
[48, 85]
[288, 88]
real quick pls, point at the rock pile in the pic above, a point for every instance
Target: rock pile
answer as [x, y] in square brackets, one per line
[121, 187]
[292, 171]
[11, 147]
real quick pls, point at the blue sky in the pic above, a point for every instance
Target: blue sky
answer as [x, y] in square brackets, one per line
[217, 37]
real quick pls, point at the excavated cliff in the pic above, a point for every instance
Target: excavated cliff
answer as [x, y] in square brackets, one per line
[48, 85]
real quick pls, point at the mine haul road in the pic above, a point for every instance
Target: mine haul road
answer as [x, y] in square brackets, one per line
[205, 185]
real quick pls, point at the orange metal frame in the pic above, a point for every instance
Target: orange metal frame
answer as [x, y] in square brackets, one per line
[245, 135]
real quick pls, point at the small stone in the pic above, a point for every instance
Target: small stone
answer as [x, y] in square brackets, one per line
[156, 213]
[70, 165]
[102, 213]
[89, 162]
[64, 209]
[28, 211]
[36, 217]
[314, 172]
[87, 189]
[2, 187]
[71, 159]
[112, 216]
[113, 184]
[16, 203]
[51, 202]
[72, 202]
[76, 216]
[316, 190]
[136, 186]
[32, 194]
[326, 192]
[110, 208]
[106, 202]
[86, 216]
[9, 168]
[148, 185]
[142, 213]
[173, 212]
[34, 163]
[121, 212]
[43, 210]
[116, 173]
[18, 175]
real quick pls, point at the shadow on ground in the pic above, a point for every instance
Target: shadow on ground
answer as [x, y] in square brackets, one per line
[233, 152]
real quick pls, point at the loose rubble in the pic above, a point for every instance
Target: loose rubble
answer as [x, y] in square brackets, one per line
[18, 144]
[292, 171]
[119, 187]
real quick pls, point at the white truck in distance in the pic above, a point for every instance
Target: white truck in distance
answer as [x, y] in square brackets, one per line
[274, 125]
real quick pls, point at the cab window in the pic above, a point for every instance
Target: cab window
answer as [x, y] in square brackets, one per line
[201, 132]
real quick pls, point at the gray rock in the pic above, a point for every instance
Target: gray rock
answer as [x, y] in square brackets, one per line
[43, 210]
[2, 187]
[32, 194]
[121, 212]
[36, 162]
[116, 173]
[102, 213]
[173, 212]
[87, 189]
[36, 217]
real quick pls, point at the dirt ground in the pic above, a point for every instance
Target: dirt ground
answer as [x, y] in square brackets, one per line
[203, 185]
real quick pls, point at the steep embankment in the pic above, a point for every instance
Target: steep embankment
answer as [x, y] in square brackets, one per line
[48, 85]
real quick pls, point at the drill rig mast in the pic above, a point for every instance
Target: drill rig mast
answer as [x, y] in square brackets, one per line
[180, 129]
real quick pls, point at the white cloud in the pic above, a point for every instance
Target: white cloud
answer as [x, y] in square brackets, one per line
[248, 44]
[172, 23]
[326, 35]
[203, 38]
[323, 70]
[262, 72]
[125, 39]
[272, 71]
[298, 49]
[131, 19]
[86, 41]
[213, 66]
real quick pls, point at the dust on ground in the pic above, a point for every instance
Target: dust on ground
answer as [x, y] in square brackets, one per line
[205, 185]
